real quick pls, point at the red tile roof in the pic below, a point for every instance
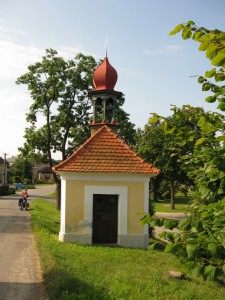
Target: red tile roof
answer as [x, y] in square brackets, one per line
[105, 152]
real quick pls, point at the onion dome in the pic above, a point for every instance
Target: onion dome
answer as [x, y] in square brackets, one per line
[105, 76]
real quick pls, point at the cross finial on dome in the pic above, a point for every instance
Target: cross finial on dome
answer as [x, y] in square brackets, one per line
[106, 44]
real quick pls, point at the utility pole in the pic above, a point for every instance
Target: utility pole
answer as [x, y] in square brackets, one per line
[5, 171]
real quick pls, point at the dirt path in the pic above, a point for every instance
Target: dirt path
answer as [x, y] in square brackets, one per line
[20, 271]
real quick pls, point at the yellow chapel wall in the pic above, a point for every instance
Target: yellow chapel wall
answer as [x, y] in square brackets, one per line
[75, 195]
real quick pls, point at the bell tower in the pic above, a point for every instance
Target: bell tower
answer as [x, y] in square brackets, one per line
[104, 96]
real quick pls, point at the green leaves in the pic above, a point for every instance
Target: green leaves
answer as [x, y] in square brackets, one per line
[186, 29]
[185, 224]
[211, 51]
[186, 34]
[193, 251]
[191, 22]
[197, 35]
[221, 106]
[201, 79]
[177, 29]
[211, 99]
[201, 241]
[213, 43]
[202, 237]
[200, 141]
[210, 73]
[197, 269]
[170, 223]
[221, 138]
[206, 86]
[58, 90]
[220, 76]
[210, 272]
[153, 119]
[219, 59]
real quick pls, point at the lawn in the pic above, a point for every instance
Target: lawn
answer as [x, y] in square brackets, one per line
[181, 204]
[72, 271]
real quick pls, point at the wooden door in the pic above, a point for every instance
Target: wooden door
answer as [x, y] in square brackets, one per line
[105, 218]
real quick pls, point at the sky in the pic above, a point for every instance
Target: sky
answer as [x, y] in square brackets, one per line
[155, 70]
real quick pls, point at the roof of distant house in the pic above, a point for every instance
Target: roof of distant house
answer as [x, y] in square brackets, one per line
[106, 152]
[3, 162]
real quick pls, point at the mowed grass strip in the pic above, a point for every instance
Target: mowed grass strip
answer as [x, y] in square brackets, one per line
[182, 203]
[72, 271]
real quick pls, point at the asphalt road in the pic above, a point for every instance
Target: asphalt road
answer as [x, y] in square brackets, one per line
[20, 271]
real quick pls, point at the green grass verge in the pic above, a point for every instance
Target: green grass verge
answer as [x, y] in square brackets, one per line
[181, 204]
[72, 271]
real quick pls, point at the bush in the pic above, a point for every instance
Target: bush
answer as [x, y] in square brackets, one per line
[6, 190]
[12, 190]
[38, 181]
[29, 186]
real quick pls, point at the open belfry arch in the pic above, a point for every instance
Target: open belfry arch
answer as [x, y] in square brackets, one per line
[104, 183]
[104, 97]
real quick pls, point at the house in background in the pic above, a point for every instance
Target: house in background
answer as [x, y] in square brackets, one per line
[4, 166]
[11, 160]
[104, 184]
[43, 173]
[1, 176]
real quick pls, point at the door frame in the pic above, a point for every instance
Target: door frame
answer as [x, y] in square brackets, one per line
[111, 226]
[121, 191]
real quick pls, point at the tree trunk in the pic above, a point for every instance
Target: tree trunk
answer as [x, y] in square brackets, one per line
[155, 187]
[49, 138]
[172, 202]
[155, 192]
[58, 188]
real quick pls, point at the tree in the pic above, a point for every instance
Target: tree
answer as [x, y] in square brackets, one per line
[162, 149]
[150, 146]
[209, 147]
[126, 128]
[21, 170]
[201, 241]
[213, 43]
[59, 92]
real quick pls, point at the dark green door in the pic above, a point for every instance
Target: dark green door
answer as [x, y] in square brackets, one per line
[105, 218]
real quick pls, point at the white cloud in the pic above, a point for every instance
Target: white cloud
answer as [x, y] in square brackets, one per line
[129, 72]
[15, 58]
[69, 52]
[15, 99]
[166, 49]
[7, 31]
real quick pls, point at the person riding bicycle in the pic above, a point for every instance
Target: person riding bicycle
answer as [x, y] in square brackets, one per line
[25, 193]
[24, 198]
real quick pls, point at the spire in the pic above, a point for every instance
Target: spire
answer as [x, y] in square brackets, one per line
[106, 45]
[105, 76]
[104, 96]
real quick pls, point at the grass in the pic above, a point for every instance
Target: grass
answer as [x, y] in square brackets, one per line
[72, 271]
[181, 204]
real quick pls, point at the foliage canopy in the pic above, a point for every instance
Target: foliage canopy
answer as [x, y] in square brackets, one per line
[202, 234]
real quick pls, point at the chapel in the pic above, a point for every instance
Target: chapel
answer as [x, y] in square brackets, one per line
[104, 183]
